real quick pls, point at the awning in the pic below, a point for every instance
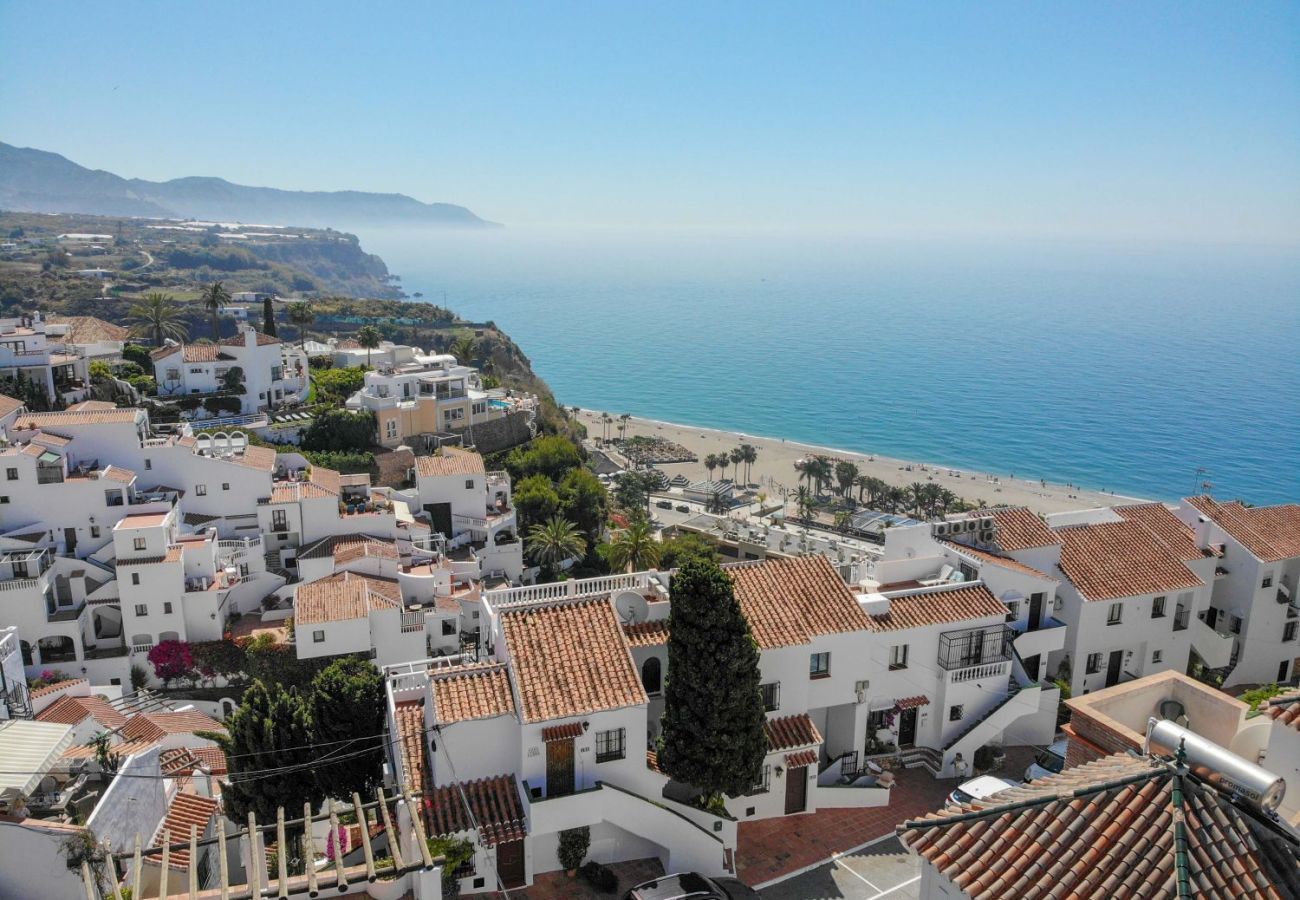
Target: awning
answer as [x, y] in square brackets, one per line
[30, 749]
[912, 702]
[802, 758]
[562, 732]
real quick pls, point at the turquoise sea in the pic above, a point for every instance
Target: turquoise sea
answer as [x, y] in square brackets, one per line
[1124, 367]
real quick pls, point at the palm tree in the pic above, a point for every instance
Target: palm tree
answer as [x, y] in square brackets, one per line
[737, 457]
[463, 348]
[302, 315]
[368, 336]
[750, 456]
[917, 490]
[803, 502]
[605, 419]
[711, 463]
[862, 482]
[845, 474]
[214, 298]
[157, 316]
[821, 471]
[555, 540]
[634, 548]
[626, 419]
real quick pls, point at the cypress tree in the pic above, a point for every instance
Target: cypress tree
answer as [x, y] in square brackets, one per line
[268, 317]
[347, 703]
[713, 735]
[271, 729]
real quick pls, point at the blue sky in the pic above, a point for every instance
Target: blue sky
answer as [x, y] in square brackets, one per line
[1112, 121]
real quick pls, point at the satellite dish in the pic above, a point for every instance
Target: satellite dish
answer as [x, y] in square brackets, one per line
[631, 607]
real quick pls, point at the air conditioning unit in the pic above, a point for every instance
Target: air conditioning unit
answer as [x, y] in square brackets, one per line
[941, 529]
[969, 525]
[988, 523]
[986, 536]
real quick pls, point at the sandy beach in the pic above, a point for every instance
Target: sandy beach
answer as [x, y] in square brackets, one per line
[775, 469]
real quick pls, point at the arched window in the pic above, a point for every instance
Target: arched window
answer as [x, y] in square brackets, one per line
[652, 675]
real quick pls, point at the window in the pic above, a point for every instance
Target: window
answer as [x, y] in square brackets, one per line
[390, 428]
[1289, 630]
[1158, 608]
[318, 637]
[764, 783]
[201, 490]
[1268, 581]
[955, 713]
[167, 609]
[141, 609]
[611, 745]
[1157, 656]
[94, 531]
[279, 520]
[771, 694]
[1115, 614]
[448, 627]
[898, 657]
[1234, 624]
[4, 499]
[1094, 664]
[1013, 610]
[225, 485]
[140, 543]
[469, 484]
[135, 578]
[11, 474]
[148, 464]
[819, 665]
[173, 374]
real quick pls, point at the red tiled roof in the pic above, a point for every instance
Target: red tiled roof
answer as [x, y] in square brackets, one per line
[802, 758]
[789, 601]
[570, 659]
[960, 603]
[471, 692]
[791, 731]
[451, 461]
[1018, 528]
[89, 329]
[912, 702]
[566, 732]
[56, 686]
[343, 597]
[9, 405]
[996, 559]
[647, 634]
[69, 710]
[347, 547]
[56, 420]
[1271, 533]
[237, 340]
[493, 804]
[183, 760]
[186, 810]
[410, 735]
[154, 726]
[1165, 527]
[1283, 709]
[1118, 827]
[1121, 559]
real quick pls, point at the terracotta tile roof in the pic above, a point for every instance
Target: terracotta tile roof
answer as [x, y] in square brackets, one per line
[343, 597]
[89, 330]
[471, 692]
[1283, 709]
[261, 458]
[790, 732]
[203, 353]
[1271, 533]
[1105, 830]
[9, 405]
[995, 559]
[1121, 559]
[69, 710]
[493, 802]
[119, 474]
[237, 340]
[451, 461]
[647, 634]
[410, 735]
[123, 749]
[960, 603]
[1165, 527]
[56, 686]
[801, 758]
[186, 810]
[198, 518]
[570, 659]
[299, 490]
[789, 601]
[184, 760]
[91, 405]
[1019, 528]
[326, 479]
[50, 439]
[55, 420]
[347, 547]
[154, 726]
[565, 732]
[913, 702]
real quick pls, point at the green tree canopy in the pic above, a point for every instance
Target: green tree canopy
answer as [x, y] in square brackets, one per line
[552, 456]
[336, 385]
[584, 501]
[340, 430]
[347, 704]
[554, 541]
[633, 549]
[268, 316]
[713, 717]
[536, 500]
[676, 552]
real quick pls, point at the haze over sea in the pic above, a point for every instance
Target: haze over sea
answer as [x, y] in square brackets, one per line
[1122, 367]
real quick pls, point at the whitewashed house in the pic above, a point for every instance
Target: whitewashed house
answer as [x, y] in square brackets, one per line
[270, 372]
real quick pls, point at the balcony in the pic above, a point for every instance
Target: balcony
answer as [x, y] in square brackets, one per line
[971, 647]
[1213, 646]
[65, 613]
[1048, 637]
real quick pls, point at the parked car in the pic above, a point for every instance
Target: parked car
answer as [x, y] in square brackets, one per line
[690, 885]
[682, 507]
[981, 788]
[664, 504]
[1048, 762]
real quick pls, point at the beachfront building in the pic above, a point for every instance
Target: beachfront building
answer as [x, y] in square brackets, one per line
[427, 399]
[260, 370]
[1256, 586]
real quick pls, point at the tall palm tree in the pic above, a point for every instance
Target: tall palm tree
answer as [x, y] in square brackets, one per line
[803, 502]
[158, 316]
[214, 298]
[605, 419]
[302, 315]
[845, 474]
[711, 463]
[821, 471]
[555, 540]
[750, 456]
[368, 336]
[861, 483]
[463, 348]
[634, 548]
[917, 490]
[626, 419]
[737, 457]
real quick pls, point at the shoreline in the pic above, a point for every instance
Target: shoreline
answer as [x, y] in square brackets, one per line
[775, 467]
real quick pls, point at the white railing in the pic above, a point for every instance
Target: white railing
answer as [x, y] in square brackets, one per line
[564, 590]
[412, 622]
[141, 648]
[975, 673]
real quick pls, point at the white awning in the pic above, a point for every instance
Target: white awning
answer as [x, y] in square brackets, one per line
[30, 749]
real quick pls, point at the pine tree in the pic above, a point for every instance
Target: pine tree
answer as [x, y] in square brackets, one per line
[713, 735]
[347, 704]
[271, 729]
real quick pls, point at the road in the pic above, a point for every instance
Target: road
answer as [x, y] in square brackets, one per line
[882, 871]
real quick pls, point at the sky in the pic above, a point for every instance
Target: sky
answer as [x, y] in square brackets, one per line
[1111, 121]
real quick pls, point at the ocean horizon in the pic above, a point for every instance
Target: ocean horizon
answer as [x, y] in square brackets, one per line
[1147, 370]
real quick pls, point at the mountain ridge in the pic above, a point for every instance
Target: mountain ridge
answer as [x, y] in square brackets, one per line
[33, 180]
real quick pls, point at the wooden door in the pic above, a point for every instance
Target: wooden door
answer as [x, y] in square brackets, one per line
[1035, 611]
[907, 727]
[796, 789]
[559, 768]
[1113, 667]
[510, 864]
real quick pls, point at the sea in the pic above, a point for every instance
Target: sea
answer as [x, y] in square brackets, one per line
[1146, 369]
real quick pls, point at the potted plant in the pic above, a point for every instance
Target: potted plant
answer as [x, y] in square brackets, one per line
[574, 843]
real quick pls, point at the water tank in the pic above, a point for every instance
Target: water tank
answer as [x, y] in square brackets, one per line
[1216, 765]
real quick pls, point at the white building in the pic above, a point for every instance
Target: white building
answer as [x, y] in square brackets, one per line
[471, 507]
[270, 372]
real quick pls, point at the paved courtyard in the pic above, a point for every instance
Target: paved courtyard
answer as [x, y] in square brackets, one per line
[884, 870]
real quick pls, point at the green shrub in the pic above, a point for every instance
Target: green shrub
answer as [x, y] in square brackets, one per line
[574, 843]
[1258, 695]
[602, 878]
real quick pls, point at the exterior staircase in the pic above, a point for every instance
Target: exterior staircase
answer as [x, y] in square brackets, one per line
[273, 565]
[922, 757]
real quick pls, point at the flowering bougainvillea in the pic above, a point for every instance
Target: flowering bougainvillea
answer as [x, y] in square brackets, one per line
[171, 660]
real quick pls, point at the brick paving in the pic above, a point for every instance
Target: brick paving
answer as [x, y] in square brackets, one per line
[774, 847]
[559, 886]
